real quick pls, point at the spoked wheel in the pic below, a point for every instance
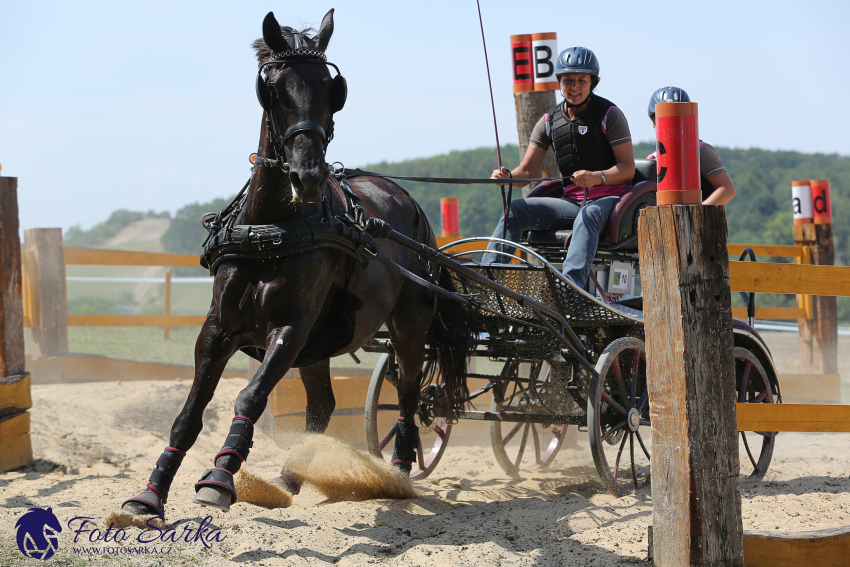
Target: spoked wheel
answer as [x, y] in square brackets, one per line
[618, 417]
[753, 386]
[381, 417]
[526, 445]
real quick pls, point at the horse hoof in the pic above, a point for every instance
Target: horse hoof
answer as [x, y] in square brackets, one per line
[138, 509]
[213, 497]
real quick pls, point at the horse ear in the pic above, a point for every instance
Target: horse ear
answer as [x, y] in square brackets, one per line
[326, 30]
[339, 92]
[272, 34]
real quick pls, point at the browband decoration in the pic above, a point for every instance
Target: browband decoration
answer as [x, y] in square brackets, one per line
[302, 52]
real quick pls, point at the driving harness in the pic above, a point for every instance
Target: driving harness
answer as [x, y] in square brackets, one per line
[342, 225]
[343, 231]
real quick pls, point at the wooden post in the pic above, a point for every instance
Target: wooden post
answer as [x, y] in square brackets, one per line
[818, 335]
[530, 106]
[11, 303]
[15, 399]
[49, 335]
[166, 300]
[696, 499]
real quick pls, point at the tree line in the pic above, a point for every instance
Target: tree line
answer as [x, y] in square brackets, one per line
[760, 213]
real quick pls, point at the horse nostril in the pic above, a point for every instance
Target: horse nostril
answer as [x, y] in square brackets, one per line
[295, 180]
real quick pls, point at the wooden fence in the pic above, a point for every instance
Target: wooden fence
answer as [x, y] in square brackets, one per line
[35, 304]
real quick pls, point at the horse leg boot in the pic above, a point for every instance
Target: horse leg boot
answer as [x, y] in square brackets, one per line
[211, 355]
[408, 324]
[216, 487]
[152, 500]
[407, 443]
[227, 462]
[320, 405]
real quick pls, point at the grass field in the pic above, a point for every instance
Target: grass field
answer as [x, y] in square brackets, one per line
[147, 344]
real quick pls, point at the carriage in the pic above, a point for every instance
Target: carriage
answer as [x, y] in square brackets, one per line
[550, 356]
[306, 269]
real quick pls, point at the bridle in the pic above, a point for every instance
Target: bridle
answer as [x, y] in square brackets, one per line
[266, 94]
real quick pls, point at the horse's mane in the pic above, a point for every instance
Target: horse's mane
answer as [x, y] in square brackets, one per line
[309, 41]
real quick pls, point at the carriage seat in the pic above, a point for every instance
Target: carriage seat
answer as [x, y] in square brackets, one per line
[620, 233]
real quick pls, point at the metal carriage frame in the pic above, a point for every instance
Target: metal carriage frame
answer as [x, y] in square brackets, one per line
[561, 357]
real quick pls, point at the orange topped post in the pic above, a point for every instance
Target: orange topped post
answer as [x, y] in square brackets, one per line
[522, 61]
[677, 141]
[801, 199]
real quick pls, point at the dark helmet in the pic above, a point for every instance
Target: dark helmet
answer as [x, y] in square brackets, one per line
[577, 60]
[667, 94]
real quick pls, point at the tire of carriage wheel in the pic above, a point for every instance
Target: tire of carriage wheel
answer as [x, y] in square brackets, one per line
[436, 436]
[752, 385]
[618, 417]
[544, 453]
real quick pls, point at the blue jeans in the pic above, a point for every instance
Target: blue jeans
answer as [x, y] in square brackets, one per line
[547, 213]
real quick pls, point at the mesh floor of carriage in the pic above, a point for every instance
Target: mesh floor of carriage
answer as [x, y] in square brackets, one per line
[542, 285]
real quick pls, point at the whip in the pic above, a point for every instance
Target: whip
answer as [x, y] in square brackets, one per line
[506, 199]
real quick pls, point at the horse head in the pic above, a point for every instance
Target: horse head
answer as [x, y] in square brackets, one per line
[299, 97]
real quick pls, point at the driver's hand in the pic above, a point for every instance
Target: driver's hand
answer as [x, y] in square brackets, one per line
[584, 178]
[501, 173]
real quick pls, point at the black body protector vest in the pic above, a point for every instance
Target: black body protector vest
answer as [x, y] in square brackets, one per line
[581, 144]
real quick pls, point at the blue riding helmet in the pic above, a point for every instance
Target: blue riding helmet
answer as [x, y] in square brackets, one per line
[667, 94]
[577, 60]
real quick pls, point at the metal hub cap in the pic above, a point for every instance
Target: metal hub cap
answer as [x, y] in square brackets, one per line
[634, 419]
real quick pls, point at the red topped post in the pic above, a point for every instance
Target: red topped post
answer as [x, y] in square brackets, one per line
[451, 221]
[821, 205]
[677, 140]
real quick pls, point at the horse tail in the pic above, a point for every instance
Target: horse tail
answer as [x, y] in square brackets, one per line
[451, 340]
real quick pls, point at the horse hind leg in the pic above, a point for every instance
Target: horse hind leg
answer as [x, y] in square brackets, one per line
[320, 406]
[408, 325]
[212, 352]
[320, 396]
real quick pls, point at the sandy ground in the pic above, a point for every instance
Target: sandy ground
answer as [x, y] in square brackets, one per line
[96, 443]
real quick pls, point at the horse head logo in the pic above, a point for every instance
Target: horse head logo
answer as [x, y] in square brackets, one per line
[38, 533]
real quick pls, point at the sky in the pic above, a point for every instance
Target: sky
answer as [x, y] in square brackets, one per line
[151, 105]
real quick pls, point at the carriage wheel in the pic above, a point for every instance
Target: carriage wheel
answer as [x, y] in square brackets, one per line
[433, 435]
[510, 440]
[753, 386]
[618, 417]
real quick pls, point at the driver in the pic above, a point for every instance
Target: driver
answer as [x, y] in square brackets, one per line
[717, 187]
[593, 147]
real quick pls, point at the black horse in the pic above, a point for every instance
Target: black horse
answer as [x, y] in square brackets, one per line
[313, 293]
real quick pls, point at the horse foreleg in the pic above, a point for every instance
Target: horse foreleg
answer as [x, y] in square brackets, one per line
[212, 351]
[216, 487]
[320, 396]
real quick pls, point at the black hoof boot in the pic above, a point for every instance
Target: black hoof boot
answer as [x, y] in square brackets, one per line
[288, 481]
[406, 442]
[145, 504]
[152, 500]
[215, 489]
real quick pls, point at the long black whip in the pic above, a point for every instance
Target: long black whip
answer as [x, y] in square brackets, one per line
[506, 199]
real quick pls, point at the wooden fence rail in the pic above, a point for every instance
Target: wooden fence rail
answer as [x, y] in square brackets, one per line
[744, 276]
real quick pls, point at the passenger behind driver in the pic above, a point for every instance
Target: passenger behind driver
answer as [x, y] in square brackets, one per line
[717, 187]
[593, 147]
